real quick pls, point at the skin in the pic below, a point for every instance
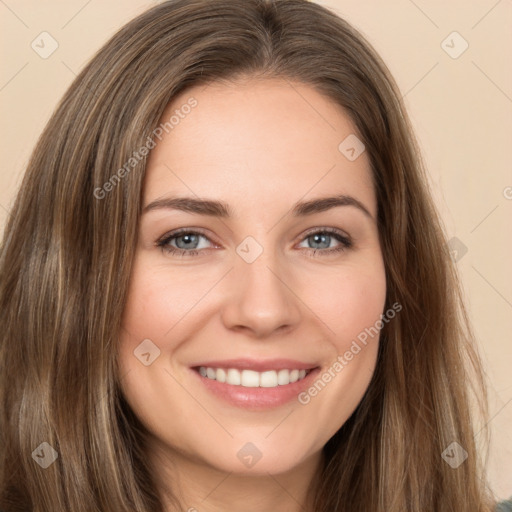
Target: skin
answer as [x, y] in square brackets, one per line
[260, 146]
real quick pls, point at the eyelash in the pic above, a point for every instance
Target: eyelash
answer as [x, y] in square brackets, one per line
[163, 243]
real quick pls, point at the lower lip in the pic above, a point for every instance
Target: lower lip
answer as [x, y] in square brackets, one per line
[257, 398]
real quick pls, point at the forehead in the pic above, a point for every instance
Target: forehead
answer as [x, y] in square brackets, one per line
[262, 141]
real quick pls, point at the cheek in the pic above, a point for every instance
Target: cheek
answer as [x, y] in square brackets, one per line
[173, 306]
[158, 300]
[351, 307]
[352, 301]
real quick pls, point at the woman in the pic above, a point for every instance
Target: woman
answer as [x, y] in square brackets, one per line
[251, 372]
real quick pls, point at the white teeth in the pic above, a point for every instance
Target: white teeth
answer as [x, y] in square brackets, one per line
[294, 375]
[251, 378]
[283, 377]
[233, 377]
[268, 379]
[221, 375]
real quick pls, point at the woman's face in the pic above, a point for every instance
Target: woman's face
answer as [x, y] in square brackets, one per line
[266, 277]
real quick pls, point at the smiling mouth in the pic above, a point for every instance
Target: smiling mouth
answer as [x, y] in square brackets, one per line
[253, 379]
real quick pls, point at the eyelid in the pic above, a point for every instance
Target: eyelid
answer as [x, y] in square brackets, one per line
[346, 240]
[200, 231]
[179, 231]
[325, 229]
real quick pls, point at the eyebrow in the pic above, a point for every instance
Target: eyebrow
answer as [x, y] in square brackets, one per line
[222, 210]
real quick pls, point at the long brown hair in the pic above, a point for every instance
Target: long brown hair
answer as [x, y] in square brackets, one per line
[69, 242]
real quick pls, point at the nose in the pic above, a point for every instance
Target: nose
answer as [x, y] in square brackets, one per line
[261, 298]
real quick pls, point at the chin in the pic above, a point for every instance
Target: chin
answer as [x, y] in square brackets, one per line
[249, 460]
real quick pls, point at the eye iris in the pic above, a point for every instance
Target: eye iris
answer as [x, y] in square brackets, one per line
[189, 237]
[190, 240]
[317, 239]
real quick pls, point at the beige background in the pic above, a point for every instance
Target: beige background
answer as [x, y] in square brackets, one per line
[461, 108]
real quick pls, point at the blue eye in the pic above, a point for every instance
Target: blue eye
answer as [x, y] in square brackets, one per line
[187, 242]
[325, 237]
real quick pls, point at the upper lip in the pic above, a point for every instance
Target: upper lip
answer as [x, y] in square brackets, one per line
[258, 365]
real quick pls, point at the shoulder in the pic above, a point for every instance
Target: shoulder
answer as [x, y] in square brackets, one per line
[504, 506]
